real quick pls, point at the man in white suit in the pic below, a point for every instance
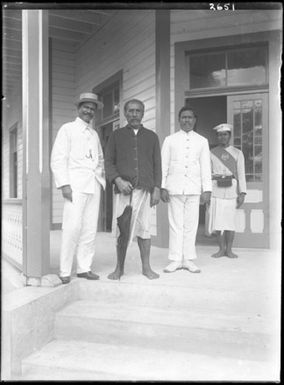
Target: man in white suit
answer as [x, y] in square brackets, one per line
[77, 164]
[186, 173]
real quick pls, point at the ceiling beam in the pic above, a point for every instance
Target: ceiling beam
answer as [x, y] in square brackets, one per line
[11, 45]
[11, 65]
[9, 79]
[77, 15]
[12, 53]
[12, 23]
[61, 34]
[12, 13]
[12, 60]
[71, 25]
[99, 12]
[11, 34]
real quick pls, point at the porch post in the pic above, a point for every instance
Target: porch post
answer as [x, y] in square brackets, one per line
[36, 202]
[163, 104]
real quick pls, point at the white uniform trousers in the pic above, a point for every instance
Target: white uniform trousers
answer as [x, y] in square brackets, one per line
[183, 213]
[79, 228]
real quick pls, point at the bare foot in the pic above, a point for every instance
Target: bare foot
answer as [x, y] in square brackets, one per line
[150, 273]
[230, 254]
[115, 275]
[220, 253]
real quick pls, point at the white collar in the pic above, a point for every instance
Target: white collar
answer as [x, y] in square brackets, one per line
[83, 125]
[186, 133]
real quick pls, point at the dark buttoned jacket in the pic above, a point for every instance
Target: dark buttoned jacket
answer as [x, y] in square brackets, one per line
[135, 158]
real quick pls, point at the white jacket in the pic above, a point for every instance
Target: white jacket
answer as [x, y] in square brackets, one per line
[186, 163]
[77, 157]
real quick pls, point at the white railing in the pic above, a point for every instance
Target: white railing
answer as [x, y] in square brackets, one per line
[12, 232]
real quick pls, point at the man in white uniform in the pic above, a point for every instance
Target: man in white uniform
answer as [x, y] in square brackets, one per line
[78, 167]
[186, 174]
[228, 191]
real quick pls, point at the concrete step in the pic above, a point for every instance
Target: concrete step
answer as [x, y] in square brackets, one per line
[179, 330]
[80, 360]
[177, 296]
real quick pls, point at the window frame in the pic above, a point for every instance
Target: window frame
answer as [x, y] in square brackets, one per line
[254, 174]
[225, 50]
[102, 89]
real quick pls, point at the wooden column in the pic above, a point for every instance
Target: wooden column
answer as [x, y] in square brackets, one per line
[36, 188]
[163, 104]
[275, 135]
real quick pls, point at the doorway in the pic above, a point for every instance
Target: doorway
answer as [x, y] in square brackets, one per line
[210, 112]
[248, 113]
[106, 206]
[107, 120]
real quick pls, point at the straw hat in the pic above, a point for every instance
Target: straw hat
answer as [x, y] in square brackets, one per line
[91, 98]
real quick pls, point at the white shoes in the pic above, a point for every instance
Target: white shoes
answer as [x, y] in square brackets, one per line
[189, 265]
[173, 266]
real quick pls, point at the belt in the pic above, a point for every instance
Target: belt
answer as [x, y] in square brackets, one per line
[223, 177]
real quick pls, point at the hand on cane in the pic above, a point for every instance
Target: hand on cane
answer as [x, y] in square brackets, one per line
[124, 186]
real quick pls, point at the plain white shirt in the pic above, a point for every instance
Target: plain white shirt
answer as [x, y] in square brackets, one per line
[77, 157]
[186, 163]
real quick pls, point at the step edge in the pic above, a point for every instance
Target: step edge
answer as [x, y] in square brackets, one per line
[61, 316]
[37, 366]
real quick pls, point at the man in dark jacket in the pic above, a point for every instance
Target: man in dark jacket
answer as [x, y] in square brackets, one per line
[133, 164]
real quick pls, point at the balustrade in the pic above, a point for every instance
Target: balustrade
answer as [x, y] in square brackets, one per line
[12, 232]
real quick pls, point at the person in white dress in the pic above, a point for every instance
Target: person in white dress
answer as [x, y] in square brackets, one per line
[77, 164]
[186, 173]
[228, 190]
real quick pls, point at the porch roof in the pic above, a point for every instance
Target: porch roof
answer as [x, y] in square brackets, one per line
[73, 26]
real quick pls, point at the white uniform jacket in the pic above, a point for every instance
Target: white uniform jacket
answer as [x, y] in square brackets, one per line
[77, 157]
[218, 167]
[186, 163]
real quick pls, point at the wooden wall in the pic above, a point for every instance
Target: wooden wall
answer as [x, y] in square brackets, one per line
[62, 108]
[126, 42]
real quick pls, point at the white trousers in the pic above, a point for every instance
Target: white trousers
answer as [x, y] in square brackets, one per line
[79, 228]
[183, 213]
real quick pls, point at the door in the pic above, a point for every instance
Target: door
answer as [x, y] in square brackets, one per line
[106, 204]
[249, 116]
[107, 120]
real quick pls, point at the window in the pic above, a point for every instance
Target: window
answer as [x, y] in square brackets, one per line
[14, 162]
[228, 68]
[246, 66]
[207, 71]
[248, 129]
[110, 99]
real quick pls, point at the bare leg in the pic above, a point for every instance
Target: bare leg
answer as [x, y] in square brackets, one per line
[145, 247]
[229, 235]
[222, 245]
[119, 270]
